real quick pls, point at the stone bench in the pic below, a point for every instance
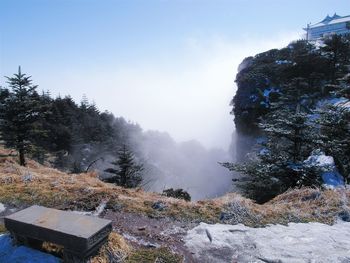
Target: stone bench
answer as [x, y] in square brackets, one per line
[81, 236]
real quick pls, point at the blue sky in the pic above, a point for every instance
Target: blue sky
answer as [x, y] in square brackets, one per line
[168, 65]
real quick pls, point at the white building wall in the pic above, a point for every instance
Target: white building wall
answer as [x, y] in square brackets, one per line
[329, 27]
[319, 32]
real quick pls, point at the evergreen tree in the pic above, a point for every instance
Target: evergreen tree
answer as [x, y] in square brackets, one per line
[75, 134]
[4, 94]
[334, 136]
[337, 49]
[19, 113]
[127, 173]
[334, 124]
[277, 91]
[343, 88]
[277, 164]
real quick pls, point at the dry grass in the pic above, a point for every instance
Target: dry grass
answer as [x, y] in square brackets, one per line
[2, 228]
[299, 205]
[38, 184]
[115, 250]
[157, 255]
[307, 205]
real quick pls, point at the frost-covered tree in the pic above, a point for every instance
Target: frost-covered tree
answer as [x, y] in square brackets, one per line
[277, 93]
[19, 112]
[128, 173]
[334, 123]
[343, 88]
[337, 49]
[335, 136]
[277, 163]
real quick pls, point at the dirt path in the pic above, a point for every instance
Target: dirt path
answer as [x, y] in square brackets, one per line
[145, 232]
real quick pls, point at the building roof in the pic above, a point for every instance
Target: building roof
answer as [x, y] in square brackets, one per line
[329, 20]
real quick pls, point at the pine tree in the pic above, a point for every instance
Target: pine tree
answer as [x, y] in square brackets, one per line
[84, 103]
[334, 136]
[334, 123]
[4, 94]
[19, 112]
[337, 49]
[127, 173]
[277, 164]
[303, 77]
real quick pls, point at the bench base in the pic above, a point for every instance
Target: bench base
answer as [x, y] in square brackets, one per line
[26, 241]
[74, 257]
[68, 256]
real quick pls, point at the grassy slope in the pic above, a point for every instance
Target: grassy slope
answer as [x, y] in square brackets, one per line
[38, 184]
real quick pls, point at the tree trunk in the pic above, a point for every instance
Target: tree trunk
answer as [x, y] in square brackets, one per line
[22, 160]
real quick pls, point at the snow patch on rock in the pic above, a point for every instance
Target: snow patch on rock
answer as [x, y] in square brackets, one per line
[2, 208]
[140, 241]
[341, 102]
[98, 211]
[345, 104]
[321, 160]
[281, 62]
[311, 242]
[328, 170]
[11, 254]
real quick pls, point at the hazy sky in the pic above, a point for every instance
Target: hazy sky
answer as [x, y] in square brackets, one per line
[167, 65]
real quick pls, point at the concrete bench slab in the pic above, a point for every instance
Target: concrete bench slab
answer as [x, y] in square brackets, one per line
[81, 236]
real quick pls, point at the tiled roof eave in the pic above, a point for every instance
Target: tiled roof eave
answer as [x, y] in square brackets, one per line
[343, 19]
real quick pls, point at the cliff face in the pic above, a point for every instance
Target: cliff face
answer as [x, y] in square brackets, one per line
[245, 103]
[261, 81]
[256, 81]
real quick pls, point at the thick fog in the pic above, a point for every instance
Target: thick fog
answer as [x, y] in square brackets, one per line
[186, 165]
[191, 105]
[168, 164]
[188, 98]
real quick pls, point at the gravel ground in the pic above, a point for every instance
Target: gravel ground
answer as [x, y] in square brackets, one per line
[145, 232]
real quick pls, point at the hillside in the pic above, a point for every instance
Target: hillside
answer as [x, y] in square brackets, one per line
[263, 80]
[148, 225]
[292, 115]
[76, 138]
